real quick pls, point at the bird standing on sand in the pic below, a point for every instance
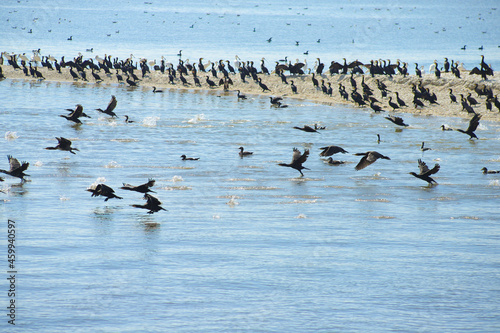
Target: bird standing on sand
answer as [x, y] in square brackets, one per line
[473, 124]
[368, 158]
[63, 144]
[244, 153]
[16, 169]
[103, 190]
[110, 108]
[425, 173]
[297, 160]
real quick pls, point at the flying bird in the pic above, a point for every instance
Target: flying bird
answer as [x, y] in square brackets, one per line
[330, 150]
[144, 188]
[368, 158]
[103, 190]
[306, 129]
[152, 204]
[110, 108]
[63, 144]
[425, 172]
[396, 120]
[297, 160]
[16, 169]
[75, 115]
[474, 122]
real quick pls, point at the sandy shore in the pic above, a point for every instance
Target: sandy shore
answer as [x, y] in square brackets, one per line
[306, 89]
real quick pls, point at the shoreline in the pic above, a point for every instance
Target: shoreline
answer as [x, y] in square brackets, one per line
[307, 91]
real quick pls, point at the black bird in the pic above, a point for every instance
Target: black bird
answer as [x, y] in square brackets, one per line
[210, 83]
[330, 150]
[16, 169]
[375, 107]
[368, 158]
[63, 144]
[474, 122]
[241, 96]
[396, 120]
[399, 100]
[422, 148]
[472, 101]
[444, 128]
[297, 160]
[331, 161]
[453, 98]
[152, 204]
[127, 120]
[156, 90]
[306, 129]
[275, 100]
[486, 171]
[144, 188]
[184, 158]
[110, 108]
[130, 82]
[73, 116]
[425, 173]
[393, 105]
[263, 86]
[103, 190]
[293, 87]
[244, 153]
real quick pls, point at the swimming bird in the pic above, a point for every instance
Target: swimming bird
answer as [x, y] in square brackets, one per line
[368, 158]
[127, 120]
[63, 144]
[444, 128]
[241, 96]
[331, 161]
[16, 169]
[275, 100]
[297, 160]
[73, 116]
[244, 153]
[330, 150]
[143, 188]
[425, 172]
[156, 90]
[152, 204]
[474, 122]
[111, 106]
[103, 190]
[486, 171]
[422, 148]
[396, 120]
[306, 129]
[184, 158]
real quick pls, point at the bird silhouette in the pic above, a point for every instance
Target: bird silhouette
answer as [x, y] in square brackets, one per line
[368, 158]
[103, 190]
[297, 160]
[16, 169]
[330, 150]
[473, 124]
[152, 204]
[111, 106]
[144, 188]
[184, 158]
[306, 128]
[396, 120]
[63, 144]
[75, 115]
[425, 172]
[244, 153]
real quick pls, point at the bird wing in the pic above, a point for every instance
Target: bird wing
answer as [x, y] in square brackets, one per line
[300, 158]
[111, 105]
[63, 142]
[330, 150]
[364, 162]
[433, 170]
[150, 182]
[78, 112]
[104, 190]
[474, 122]
[422, 167]
[14, 163]
[152, 200]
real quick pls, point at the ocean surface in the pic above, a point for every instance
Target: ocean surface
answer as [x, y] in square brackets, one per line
[247, 245]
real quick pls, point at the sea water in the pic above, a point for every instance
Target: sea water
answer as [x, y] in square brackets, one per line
[246, 245]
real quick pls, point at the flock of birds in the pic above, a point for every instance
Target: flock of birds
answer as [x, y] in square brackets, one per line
[246, 70]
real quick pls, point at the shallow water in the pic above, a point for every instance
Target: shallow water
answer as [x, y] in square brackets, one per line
[247, 245]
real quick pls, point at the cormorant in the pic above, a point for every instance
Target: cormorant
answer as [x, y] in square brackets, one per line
[73, 116]
[263, 86]
[396, 120]
[111, 106]
[103, 190]
[331, 161]
[244, 153]
[425, 173]
[330, 150]
[368, 158]
[486, 171]
[127, 120]
[444, 128]
[393, 105]
[453, 98]
[293, 87]
[63, 144]
[297, 160]
[152, 204]
[422, 148]
[156, 90]
[399, 100]
[241, 96]
[472, 101]
[184, 158]
[16, 169]
[210, 83]
[144, 188]
[275, 100]
[306, 129]
[376, 107]
[474, 122]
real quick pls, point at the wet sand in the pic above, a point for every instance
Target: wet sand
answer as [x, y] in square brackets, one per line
[307, 91]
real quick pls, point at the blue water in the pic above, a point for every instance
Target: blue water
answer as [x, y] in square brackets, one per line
[246, 245]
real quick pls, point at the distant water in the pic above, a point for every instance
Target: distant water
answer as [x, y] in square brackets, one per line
[246, 245]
